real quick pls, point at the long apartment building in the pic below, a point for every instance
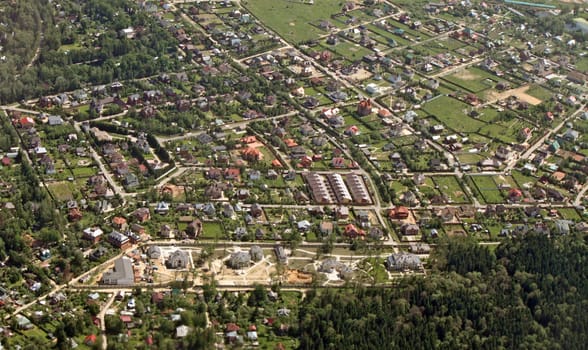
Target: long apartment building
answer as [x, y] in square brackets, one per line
[339, 188]
[319, 188]
[358, 189]
[335, 188]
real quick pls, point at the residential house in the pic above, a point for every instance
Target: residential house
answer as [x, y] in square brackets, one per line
[256, 253]
[341, 213]
[182, 331]
[364, 107]
[571, 135]
[419, 248]
[141, 215]
[162, 208]
[154, 252]
[165, 231]
[280, 253]
[353, 232]
[398, 213]
[232, 174]
[119, 223]
[239, 260]
[178, 259]
[256, 210]
[93, 234]
[409, 229]
[326, 228]
[119, 240]
[131, 180]
[403, 261]
[194, 228]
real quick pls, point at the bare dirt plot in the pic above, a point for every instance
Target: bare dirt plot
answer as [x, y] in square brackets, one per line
[297, 276]
[518, 92]
[360, 75]
[259, 273]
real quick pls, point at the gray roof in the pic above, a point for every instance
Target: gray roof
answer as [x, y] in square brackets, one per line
[154, 252]
[239, 259]
[256, 253]
[122, 274]
[178, 259]
[403, 261]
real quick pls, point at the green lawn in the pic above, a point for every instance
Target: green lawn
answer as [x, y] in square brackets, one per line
[375, 268]
[569, 214]
[83, 171]
[539, 92]
[212, 230]
[62, 191]
[487, 188]
[291, 19]
[582, 64]
[522, 179]
[350, 51]
[452, 113]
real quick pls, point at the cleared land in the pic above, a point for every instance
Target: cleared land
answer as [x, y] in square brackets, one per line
[520, 93]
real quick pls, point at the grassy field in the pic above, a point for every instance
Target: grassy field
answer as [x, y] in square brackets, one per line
[488, 115]
[539, 92]
[470, 158]
[212, 230]
[350, 51]
[452, 113]
[569, 214]
[472, 79]
[386, 36]
[83, 171]
[62, 191]
[505, 133]
[487, 188]
[522, 179]
[582, 64]
[293, 20]
[449, 186]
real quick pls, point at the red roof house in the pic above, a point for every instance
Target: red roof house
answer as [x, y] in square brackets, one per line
[90, 339]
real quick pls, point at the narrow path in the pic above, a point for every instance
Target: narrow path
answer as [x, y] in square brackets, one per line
[102, 323]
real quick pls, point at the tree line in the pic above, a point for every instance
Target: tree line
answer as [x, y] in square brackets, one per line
[531, 293]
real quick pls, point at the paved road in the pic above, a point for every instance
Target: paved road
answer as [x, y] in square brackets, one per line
[542, 140]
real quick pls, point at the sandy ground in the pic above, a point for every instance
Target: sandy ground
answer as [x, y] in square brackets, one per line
[360, 75]
[260, 272]
[296, 276]
[518, 92]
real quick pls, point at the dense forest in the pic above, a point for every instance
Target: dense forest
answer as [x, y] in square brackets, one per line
[62, 50]
[531, 293]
